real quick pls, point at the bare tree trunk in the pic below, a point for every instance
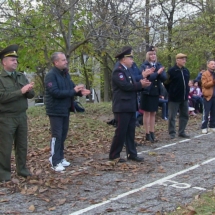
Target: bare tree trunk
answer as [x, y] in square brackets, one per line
[86, 75]
[169, 45]
[147, 29]
[106, 80]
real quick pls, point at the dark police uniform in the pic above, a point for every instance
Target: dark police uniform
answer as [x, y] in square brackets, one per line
[150, 95]
[13, 119]
[124, 106]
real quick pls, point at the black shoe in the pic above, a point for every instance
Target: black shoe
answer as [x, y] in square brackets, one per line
[184, 135]
[137, 159]
[137, 124]
[120, 160]
[149, 138]
[137, 144]
[4, 180]
[172, 136]
[24, 173]
[152, 134]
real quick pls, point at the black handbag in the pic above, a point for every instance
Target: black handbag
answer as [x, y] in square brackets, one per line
[78, 107]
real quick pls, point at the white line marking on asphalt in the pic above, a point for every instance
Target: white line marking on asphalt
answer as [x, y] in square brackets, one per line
[180, 185]
[160, 181]
[182, 141]
[172, 144]
[165, 146]
[201, 135]
[199, 188]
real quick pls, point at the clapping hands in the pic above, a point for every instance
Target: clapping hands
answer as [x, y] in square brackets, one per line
[27, 88]
[85, 92]
[161, 70]
[147, 72]
[145, 82]
[81, 88]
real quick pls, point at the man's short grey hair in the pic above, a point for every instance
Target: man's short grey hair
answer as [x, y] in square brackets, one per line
[210, 61]
[55, 56]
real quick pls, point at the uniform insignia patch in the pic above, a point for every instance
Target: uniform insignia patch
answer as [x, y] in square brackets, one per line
[121, 76]
[49, 84]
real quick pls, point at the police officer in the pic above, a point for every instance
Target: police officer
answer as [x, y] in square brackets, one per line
[14, 92]
[124, 106]
[154, 72]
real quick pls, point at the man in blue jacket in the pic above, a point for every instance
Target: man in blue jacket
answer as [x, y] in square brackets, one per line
[59, 96]
[178, 90]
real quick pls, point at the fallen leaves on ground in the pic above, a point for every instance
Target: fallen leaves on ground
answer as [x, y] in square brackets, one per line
[88, 153]
[109, 210]
[144, 210]
[32, 208]
[4, 200]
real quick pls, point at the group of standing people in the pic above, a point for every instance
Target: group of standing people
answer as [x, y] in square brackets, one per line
[14, 92]
[59, 99]
[149, 84]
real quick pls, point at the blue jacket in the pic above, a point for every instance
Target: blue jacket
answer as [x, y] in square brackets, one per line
[199, 77]
[155, 88]
[59, 92]
[177, 84]
[134, 71]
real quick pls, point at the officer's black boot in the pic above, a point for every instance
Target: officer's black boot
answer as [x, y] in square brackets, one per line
[148, 138]
[152, 134]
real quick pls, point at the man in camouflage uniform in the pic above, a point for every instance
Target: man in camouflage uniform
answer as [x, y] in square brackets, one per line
[14, 92]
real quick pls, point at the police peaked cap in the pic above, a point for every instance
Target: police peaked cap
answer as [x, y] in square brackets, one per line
[151, 49]
[10, 51]
[126, 51]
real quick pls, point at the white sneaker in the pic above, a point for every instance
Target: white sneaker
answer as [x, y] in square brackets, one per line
[212, 129]
[50, 160]
[204, 131]
[58, 168]
[64, 162]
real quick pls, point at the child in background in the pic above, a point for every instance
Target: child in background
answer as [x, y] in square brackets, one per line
[197, 98]
[191, 102]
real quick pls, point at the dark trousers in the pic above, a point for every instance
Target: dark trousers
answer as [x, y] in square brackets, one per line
[198, 103]
[125, 132]
[208, 108]
[173, 108]
[164, 105]
[59, 130]
[13, 130]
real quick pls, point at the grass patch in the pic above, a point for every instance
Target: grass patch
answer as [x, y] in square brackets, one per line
[202, 205]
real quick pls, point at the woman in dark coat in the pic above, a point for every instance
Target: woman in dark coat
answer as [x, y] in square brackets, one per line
[155, 73]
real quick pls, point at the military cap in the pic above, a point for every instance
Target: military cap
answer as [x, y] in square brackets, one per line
[10, 51]
[180, 55]
[126, 51]
[151, 49]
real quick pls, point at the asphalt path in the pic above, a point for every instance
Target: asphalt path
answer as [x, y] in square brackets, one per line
[182, 169]
[190, 173]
